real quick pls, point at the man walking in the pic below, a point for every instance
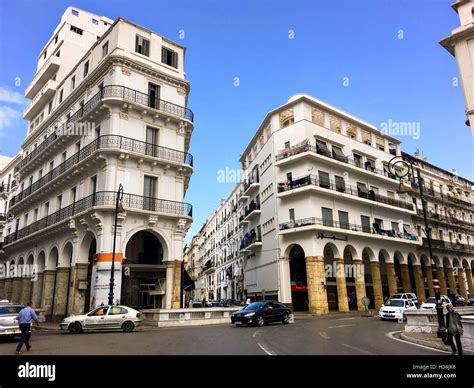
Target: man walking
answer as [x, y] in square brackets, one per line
[24, 318]
[454, 329]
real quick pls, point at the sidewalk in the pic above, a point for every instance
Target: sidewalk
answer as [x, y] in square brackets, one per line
[432, 341]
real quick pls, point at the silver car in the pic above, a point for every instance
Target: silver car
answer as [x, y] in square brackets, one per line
[103, 318]
[8, 323]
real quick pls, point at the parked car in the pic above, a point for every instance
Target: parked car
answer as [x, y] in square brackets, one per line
[197, 303]
[430, 303]
[395, 308]
[261, 312]
[458, 300]
[103, 318]
[8, 323]
[406, 295]
[470, 300]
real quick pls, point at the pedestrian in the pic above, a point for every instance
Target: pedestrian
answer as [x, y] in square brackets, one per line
[248, 301]
[454, 329]
[204, 303]
[24, 318]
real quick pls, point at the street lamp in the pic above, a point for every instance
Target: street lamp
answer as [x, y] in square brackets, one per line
[118, 207]
[406, 169]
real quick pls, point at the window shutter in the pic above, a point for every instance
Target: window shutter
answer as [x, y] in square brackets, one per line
[174, 60]
[163, 55]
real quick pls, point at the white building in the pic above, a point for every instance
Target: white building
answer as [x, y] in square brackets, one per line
[108, 107]
[461, 45]
[324, 221]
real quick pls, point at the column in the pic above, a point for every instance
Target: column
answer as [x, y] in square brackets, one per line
[405, 278]
[462, 284]
[77, 293]
[376, 284]
[16, 290]
[176, 302]
[49, 278]
[37, 291]
[451, 281]
[8, 288]
[429, 281]
[391, 278]
[169, 284]
[25, 295]
[317, 295]
[419, 283]
[469, 280]
[2, 288]
[360, 284]
[60, 292]
[441, 280]
[341, 286]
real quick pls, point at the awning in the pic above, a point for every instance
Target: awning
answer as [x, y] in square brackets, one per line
[188, 283]
[408, 230]
[338, 152]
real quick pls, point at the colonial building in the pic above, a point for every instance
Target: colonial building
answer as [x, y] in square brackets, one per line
[460, 45]
[108, 108]
[218, 262]
[325, 222]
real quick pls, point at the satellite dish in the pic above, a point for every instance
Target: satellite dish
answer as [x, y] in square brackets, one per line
[365, 301]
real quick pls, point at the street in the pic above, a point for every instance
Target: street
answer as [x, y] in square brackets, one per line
[330, 335]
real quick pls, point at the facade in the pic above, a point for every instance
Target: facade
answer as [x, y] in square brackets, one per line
[324, 222]
[108, 107]
[461, 45]
[218, 262]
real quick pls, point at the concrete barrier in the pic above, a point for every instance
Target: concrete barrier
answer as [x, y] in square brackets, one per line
[187, 317]
[426, 320]
[468, 326]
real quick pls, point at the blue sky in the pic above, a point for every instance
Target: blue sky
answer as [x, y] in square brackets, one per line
[335, 42]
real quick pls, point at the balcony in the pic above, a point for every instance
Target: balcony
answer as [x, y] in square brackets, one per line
[106, 142]
[4, 191]
[449, 246]
[251, 184]
[342, 188]
[251, 241]
[103, 199]
[252, 211]
[451, 221]
[109, 92]
[39, 101]
[323, 224]
[287, 154]
[42, 76]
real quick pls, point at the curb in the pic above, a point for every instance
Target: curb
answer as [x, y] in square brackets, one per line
[433, 345]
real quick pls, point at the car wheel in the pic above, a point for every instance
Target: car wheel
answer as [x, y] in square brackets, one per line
[75, 328]
[382, 319]
[286, 318]
[128, 326]
[260, 320]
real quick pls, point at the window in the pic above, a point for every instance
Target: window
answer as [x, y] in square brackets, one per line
[149, 192]
[292, 215]
[105, 49]
[61, 96]
[379, 222]
[327, 216]
[50, 107]
[55, 39]
[395, 227]
[51, 165]
[26, 219]
[287, 145]
[35, 215]
[390, 194]
[63, 157]
[357, 160]
[73, 195]
[86, 69]
[365, 223]
[142, 45]
[169, 57]
[73, 82]
[340, 184]
[46, 209]
[76, 30]
[95, 21]
[59, 201]
[40, 173]
[58, 54]
[74, 12]
[44, 54]
[343, 219]
[324, 179]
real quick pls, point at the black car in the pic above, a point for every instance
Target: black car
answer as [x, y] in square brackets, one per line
[470, 300]
[261, 312]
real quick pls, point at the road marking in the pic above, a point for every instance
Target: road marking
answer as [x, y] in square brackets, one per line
[270, 353]
[335, 327]
[358, 349]
[324, 335]
[341, 319]
[256, 334]
[391, 336]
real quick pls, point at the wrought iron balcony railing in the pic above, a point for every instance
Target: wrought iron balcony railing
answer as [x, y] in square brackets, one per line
[305, 146]
[109, 91]
[103, 198]
[341, 187]
[447, 219]
[343, 225]
[447, 245]
[105, 142]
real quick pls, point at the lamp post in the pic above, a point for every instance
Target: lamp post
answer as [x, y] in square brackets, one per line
[407, 170]
[118, 206]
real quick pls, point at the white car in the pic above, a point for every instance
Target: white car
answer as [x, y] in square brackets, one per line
[395, 308]
[8, 323]
[103, 318]
[430, 303]
[406, 295]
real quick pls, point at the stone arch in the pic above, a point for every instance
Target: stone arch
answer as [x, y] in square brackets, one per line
[350, 257]
[165, 243]
[368, 253]
[398, 261]
[331, 252]
[41, 261]
[65, 259]
[385, 266]
[368, 260]
[53, 258]
[456, 263]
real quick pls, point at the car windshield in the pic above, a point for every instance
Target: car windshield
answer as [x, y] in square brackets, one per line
[255, 306]
[431, 300]
[395, 303]
[398, 296]
[4, 310]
